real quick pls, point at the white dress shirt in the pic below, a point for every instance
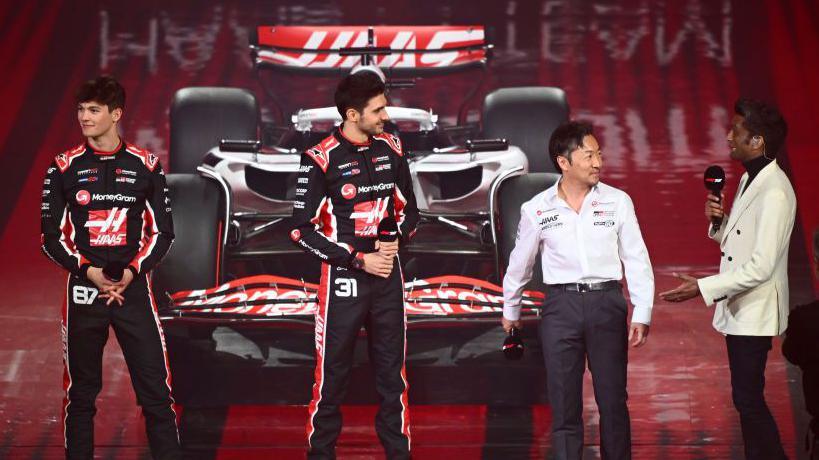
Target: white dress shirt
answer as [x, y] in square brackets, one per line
[588, 246]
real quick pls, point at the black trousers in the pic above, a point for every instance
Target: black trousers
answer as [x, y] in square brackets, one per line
[86, 320]
[577, 327]
[348, 300]
[747, 356]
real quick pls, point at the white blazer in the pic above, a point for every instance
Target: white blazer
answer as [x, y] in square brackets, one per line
[751, 289]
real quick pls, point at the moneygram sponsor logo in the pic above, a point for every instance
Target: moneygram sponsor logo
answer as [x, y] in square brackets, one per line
[315, 251]
[375, 188]
[114, 197]
[83, 197]
[348, 191]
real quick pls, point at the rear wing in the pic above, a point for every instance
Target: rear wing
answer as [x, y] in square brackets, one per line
[398, 50]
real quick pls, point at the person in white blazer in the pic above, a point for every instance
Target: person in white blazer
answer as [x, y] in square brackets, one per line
[751, 290]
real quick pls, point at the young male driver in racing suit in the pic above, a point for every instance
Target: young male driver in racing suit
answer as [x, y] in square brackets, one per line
[106, 215]
[347, 184]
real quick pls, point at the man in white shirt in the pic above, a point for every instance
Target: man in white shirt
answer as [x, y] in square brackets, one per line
[750, 293]
[586, 232]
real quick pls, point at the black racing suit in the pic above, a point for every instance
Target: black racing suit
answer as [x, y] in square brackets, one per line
[103, 208]
[343, 191]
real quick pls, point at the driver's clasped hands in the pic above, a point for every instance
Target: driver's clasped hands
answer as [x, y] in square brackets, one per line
[111, 290]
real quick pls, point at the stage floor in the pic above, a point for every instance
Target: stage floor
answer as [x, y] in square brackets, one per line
[679, 397]
[658, 79]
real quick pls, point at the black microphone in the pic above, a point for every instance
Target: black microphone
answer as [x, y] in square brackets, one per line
[513, 345]
[714, 182]
[387, 230]
[113, 271]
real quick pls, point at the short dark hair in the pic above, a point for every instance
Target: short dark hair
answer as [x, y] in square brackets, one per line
[764, 120]
[566, 138]
[355, 90]
[105, 90]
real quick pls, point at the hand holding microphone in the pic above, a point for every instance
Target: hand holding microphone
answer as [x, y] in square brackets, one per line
[113, 272]
[714, 182]
[380, 263]
[387, 243]
[513, 345]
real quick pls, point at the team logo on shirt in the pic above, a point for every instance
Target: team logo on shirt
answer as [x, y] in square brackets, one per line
[348, 191]
[368, 215]
[83, 197]
[107, 227]
[549, 221]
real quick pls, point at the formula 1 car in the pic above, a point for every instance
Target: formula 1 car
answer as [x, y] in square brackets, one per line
[234, 180]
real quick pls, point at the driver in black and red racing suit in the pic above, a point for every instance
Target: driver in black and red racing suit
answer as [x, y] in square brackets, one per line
[105, 211]
[347, 185]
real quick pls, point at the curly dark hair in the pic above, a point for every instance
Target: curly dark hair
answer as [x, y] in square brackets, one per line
[762, 119]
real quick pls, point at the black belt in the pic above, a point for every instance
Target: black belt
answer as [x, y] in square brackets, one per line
[586, 287]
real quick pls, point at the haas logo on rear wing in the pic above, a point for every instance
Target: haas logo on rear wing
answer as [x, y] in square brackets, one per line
[401, 47]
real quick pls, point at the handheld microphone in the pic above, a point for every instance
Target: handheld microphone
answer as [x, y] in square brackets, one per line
[113, 271]
[387, 230]
[714, 181]
[513, 345]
